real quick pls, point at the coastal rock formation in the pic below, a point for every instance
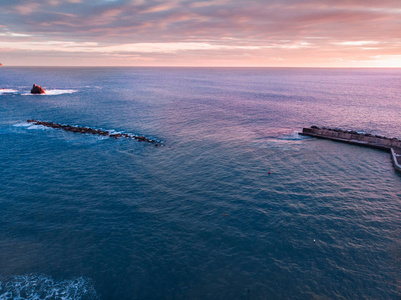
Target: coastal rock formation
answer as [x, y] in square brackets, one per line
[37, 89]
[93, 131]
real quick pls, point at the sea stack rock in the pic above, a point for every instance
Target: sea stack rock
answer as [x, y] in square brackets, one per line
[37, 89]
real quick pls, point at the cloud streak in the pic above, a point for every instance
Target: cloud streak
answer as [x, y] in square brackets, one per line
[222, 32]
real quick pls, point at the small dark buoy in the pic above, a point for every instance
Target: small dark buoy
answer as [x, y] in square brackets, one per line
[268, 173]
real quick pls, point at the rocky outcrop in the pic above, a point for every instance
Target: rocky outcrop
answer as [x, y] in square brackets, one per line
[94, 131]
[37, 89]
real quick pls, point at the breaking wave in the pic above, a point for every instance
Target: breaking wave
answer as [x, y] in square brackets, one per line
[8, 91]
[294, 136]
[53, 93]
[292, 141]
[31, 126]
[38, 287]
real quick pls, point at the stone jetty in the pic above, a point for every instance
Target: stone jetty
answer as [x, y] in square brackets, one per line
[94, 131]
[392, 145]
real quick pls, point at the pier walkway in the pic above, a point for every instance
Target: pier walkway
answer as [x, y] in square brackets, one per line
[392, 145]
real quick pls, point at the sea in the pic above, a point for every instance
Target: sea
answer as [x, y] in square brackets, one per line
[234, 204]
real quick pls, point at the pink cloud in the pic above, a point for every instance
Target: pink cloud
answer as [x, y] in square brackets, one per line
[239, 32]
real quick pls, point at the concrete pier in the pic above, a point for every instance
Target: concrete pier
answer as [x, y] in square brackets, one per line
[392, 145]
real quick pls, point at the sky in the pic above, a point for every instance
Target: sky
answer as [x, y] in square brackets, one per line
[219, 33]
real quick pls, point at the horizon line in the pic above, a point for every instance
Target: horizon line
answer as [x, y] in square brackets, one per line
[210, 67]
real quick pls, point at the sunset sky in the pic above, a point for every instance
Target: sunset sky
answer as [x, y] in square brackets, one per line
[256, 33]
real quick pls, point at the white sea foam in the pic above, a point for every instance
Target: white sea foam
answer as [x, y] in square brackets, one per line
[37, 287]
[59, 92]
[112, 131]
[31, 126]
[40, 127]
[8, 91]
[293, 141]
[295, 136]
[23, 124]
[52, 93]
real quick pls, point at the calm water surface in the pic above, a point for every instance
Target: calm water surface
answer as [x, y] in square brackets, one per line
[89, 217]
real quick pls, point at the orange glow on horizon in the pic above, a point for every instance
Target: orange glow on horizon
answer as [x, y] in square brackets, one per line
[219, 33]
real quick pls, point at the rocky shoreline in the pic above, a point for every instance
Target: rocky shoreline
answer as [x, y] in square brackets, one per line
[94, 131]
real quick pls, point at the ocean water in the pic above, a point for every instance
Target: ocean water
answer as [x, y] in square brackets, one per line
[89, 217]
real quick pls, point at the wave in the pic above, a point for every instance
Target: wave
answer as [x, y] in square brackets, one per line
[8, 91]
[31, 126]
[59, 92]
[292, 141]
[52, 93]
[295, 136]
[33, 286]
[24, 92]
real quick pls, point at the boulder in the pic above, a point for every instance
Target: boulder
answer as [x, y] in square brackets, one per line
[37, 89]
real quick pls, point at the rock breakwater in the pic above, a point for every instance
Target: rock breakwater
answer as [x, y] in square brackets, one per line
[357, 138]
[89, 130]
[353, 137]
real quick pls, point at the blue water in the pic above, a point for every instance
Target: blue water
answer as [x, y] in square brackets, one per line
[90, 217]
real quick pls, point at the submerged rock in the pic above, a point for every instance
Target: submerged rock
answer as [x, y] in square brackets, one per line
[37, 89]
